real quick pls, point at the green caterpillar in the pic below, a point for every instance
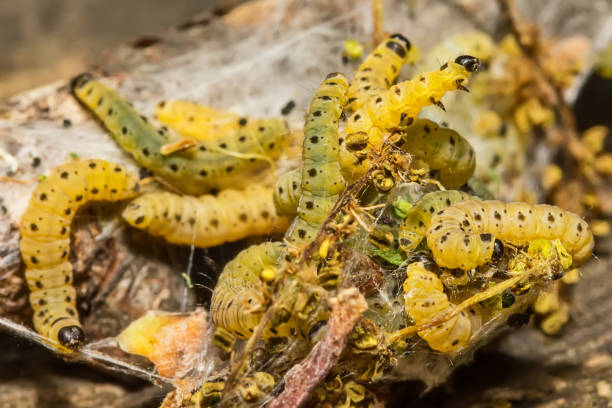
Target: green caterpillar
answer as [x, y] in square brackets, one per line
[207, 220]
[414, 226]
[223, 163]
[321, 179]
[45, 240]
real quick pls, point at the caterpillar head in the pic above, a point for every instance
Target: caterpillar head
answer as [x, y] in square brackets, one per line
[468, 62]
[80, 80]
[71, 337]
[402, 39]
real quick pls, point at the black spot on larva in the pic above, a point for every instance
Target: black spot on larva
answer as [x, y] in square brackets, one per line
[466, 223]
[438, 227]
[42, 302]
[64, 254]
[202, 148]
[580, 228]
[486, 237]
[39, 284]
[551, 218]
[452, 141]
[243, 217]
[497, 215]
[265, 214]
[443, 239]
[314, 139]
[448, 201]
[145, 151]
[455, 342]
[477, 217]
[242, 121]
[431, 209]
[144, 119]
[203, 173]
[521, 216]
[174, 167]
[139, 220]
[223, 145]
[316, 113]
[312, 172]
[357, 117]
[229, 169]
[92, 165]
[34, 227]
[214, 222]
[100, 101]
[64, 174]
[177, 217]
[310, 205]
[426, 129]
[261, 128]
[242, 139]
[421, 223]
[378, 100]
[34, 260]
[67, 211]
[64, 230]
[301, 233]
[95, 190]
[271, 145]
[43, 197]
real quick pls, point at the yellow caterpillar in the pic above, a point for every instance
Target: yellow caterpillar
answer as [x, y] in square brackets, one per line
[238, 301]
[378, 71]
[225, 163]
[321, 179]
[287, 192]
[443, 149]
[45, 240]
[206, 124]
[398, 107]
[207, 220]
[424, 299]
[469, 233]
[414, 226]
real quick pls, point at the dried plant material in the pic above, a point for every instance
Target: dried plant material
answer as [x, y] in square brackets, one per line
[347, 307]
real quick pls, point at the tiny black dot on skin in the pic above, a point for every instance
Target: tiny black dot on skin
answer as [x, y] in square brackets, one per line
[242, 121]
[309, 205]
[139, 220]
[301, 233]
[223, 145]
[229, 169]
[314, 139]
[95, 190]
[39, 284]
[174, 167]
[177, 217]
[521, 216]
[316, 113]
[203, 173]
[145, 151]
[113, 191]
[265, 214]
[357, 117]
[64, 230]
[243, 217]
[34, 260]
[67, 211]
[497, 215]
[64, 174]
[110, 111]
[100, 101]
[192, 221]
[144, 119]
[271, 145]
[92, 165]
[551, 218]
[64, 254]
[580, 227]
[261, 128]
[214, 222]
[312, 172]
[242, 139]
[124, 130]
[79, 197]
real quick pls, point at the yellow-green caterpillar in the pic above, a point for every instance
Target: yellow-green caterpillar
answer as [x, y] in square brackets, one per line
[287, 192]
[380, 68]
[238, 301]
[321, 178]
[206, 124]
[424, 299]
[399, 106]
[414, 226]
[443, 149]
[225, 163]
[45, 240]
[469, 233]
[207, 220]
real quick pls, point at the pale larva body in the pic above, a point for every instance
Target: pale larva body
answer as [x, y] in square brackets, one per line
[45, 240]
[207, 220]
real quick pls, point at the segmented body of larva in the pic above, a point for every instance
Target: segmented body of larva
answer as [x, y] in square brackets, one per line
[45, 240]
[378, 71]
[414, 226]
[287, 192]
[321, 178]
[207, 220]
[465, 234]
[425, 299]
[225, 163]
[206, 124]
[443, 149]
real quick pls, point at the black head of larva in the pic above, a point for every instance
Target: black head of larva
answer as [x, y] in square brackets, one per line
[470, 63]
[71, 337]
[332, 75]
[80, 80]
[402, 39]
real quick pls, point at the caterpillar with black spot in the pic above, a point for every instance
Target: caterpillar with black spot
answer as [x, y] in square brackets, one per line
[228, 162]
[443, 149]
[322, 181]
[424, 298]
[287, 192]
[398, 107]
[238, 301]
[414, 225]
[207, 220]
[468, 234]
[206, 124]
[45, 240]
[380, 68]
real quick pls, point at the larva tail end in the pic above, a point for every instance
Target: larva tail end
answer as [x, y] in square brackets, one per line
[470, 63]
[71, 337]
[80, 80]
[399, 37]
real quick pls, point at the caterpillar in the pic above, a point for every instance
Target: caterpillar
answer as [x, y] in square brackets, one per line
[424, 298]
[207, 220]
[45, 240]
[321, 179]
[470, 233]
[227, 162]
[399, 106]
[473, 42]
[206, 124]
[443, 149]
[414, 226]
[238, 301]
[380, 68]
[287, 192]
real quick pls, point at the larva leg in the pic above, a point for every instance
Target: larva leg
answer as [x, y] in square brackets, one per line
[207, 221]
[228, 162]
[469, 233]
[414, 226]
[321, 178]
[45, 242]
